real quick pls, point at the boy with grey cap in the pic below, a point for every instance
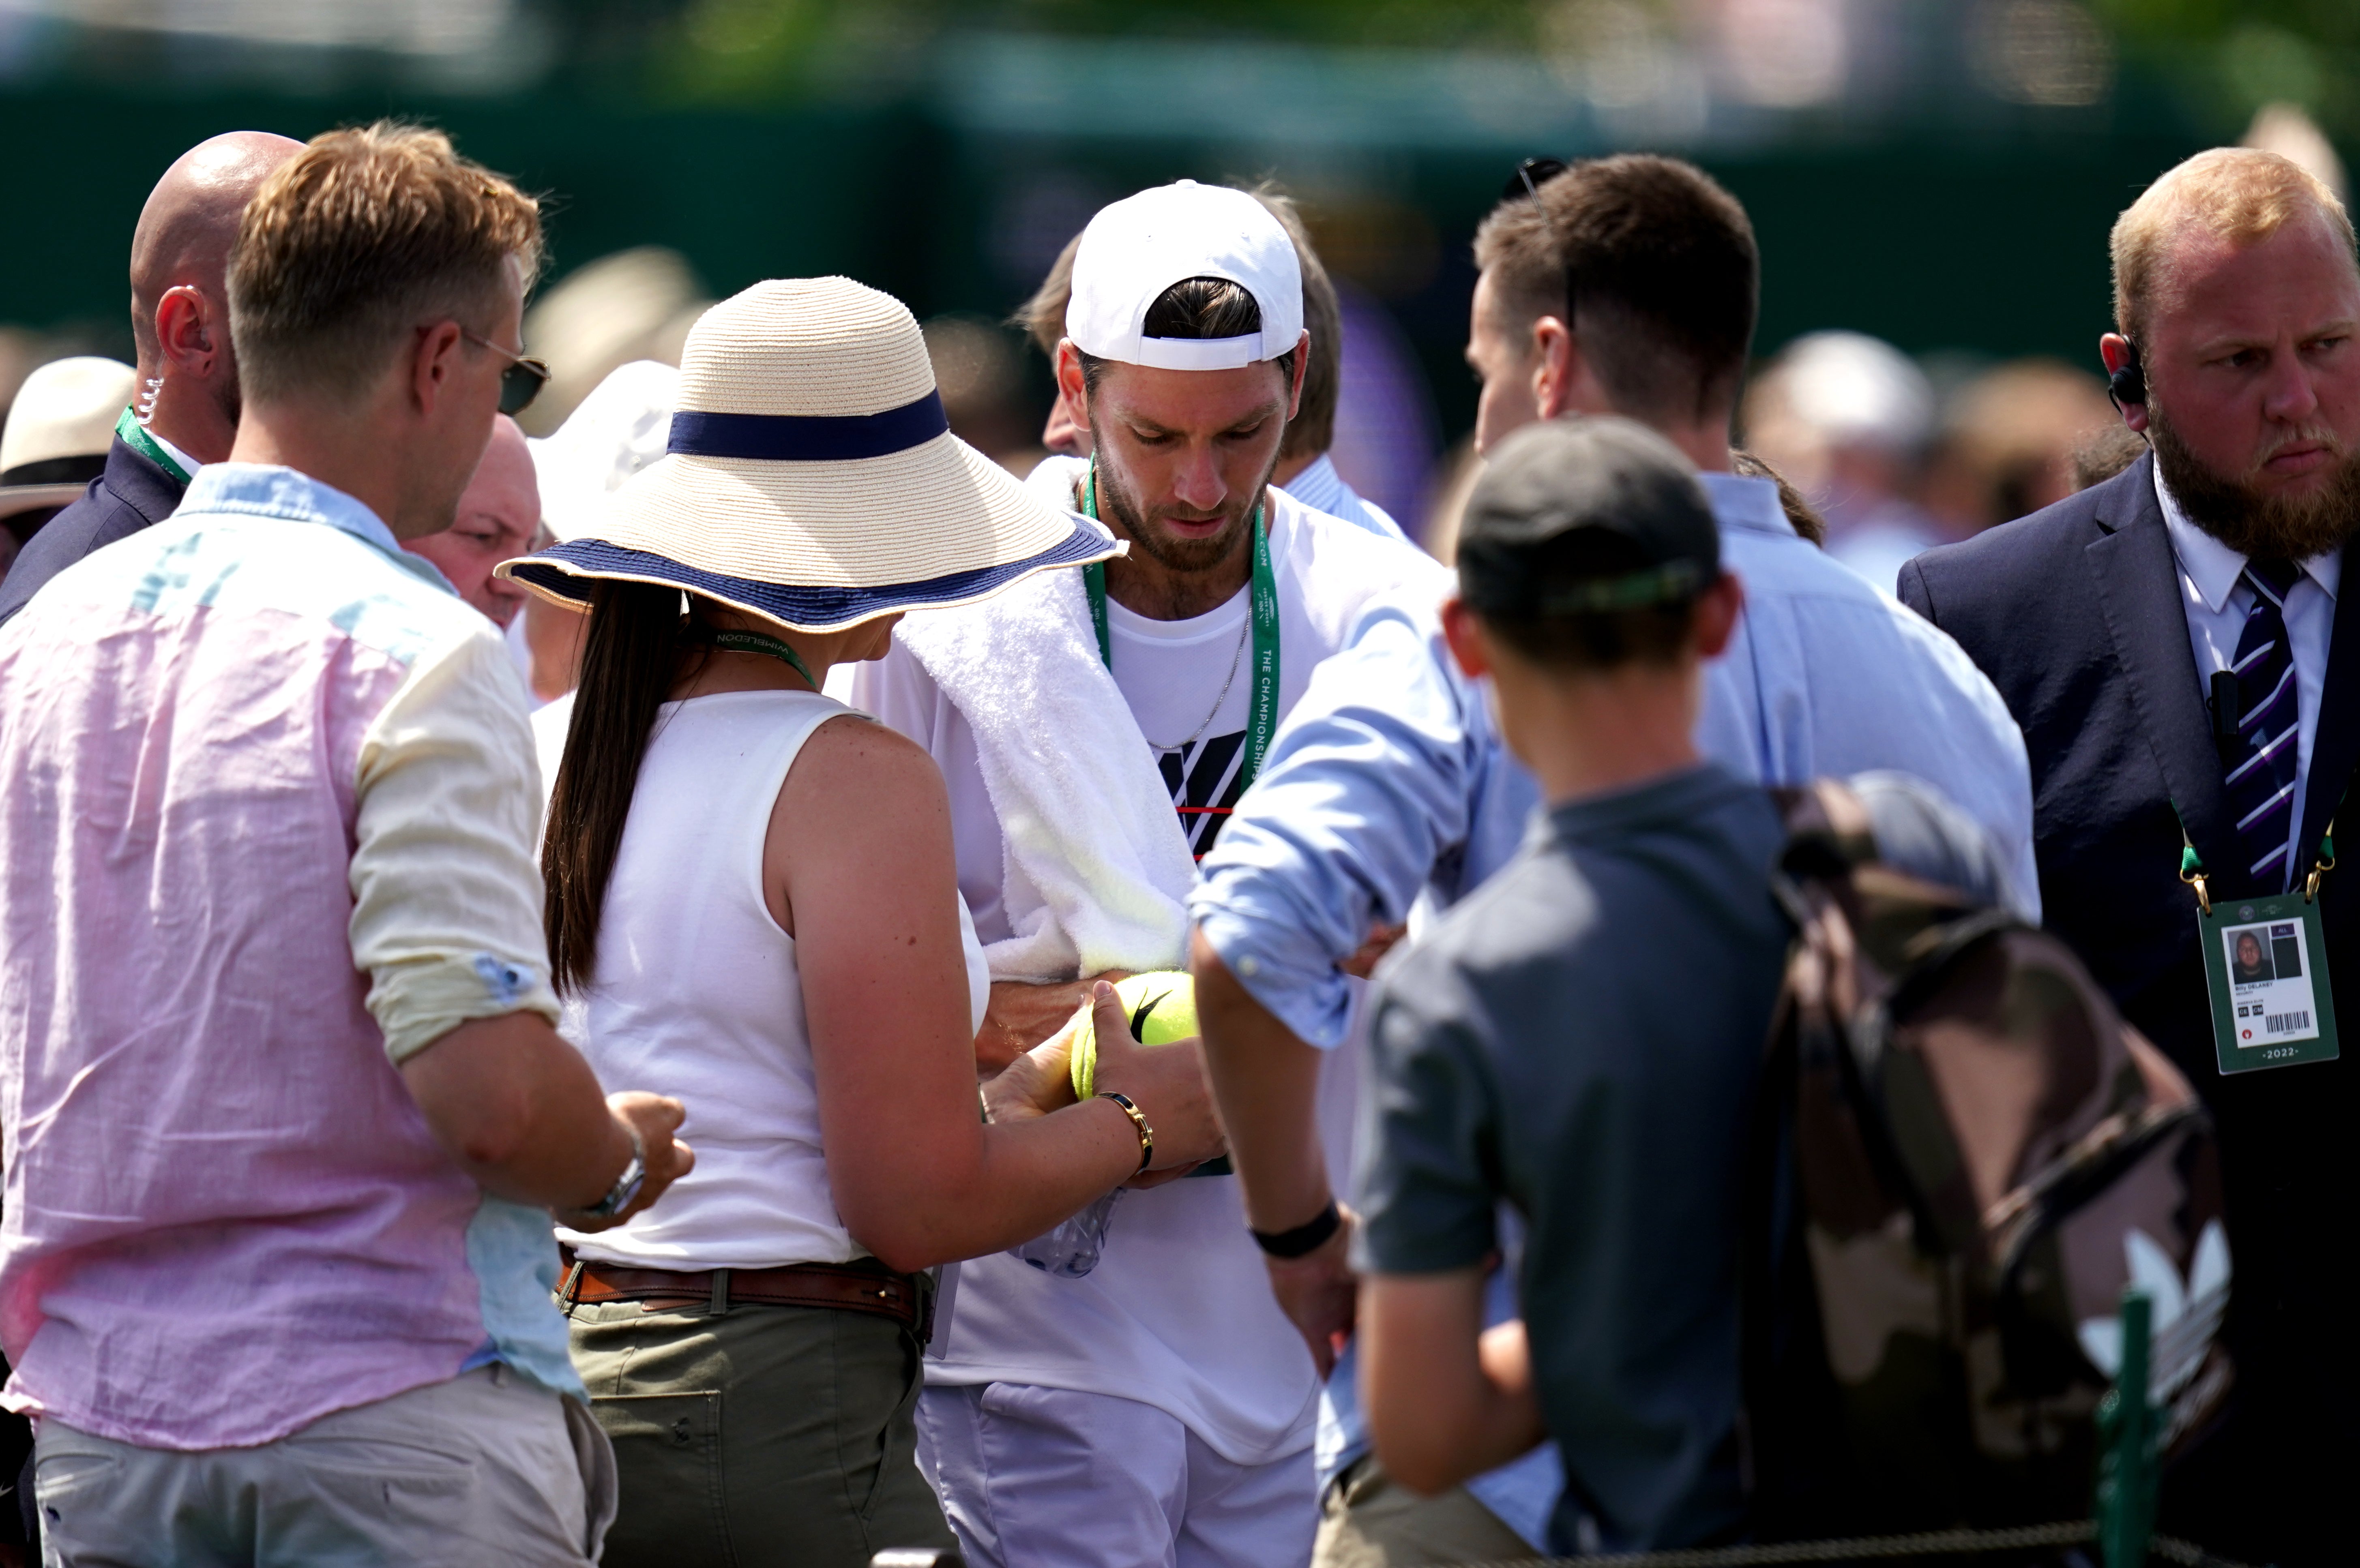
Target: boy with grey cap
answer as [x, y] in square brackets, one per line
[1580, 1038]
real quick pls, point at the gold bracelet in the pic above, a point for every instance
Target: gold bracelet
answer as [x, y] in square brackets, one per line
[1139, 1120]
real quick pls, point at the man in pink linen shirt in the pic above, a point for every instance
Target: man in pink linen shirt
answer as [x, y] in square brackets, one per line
[284, 1112]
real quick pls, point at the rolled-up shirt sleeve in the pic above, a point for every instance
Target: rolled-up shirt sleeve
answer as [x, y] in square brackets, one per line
[446, 886]
[1369, 785]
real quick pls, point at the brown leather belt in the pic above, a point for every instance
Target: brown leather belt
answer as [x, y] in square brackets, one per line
[866, 1286]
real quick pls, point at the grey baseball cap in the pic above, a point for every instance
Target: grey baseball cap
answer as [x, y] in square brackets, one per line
[1582, 517]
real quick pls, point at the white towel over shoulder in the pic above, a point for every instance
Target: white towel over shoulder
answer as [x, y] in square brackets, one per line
[1098, 872]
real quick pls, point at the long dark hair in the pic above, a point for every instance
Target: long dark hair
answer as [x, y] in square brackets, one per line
[631, 657]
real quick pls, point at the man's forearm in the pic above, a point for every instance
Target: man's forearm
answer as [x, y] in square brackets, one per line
[519, 1110]
[1266, 1082]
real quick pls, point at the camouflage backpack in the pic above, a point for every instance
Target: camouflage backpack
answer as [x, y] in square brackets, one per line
[1963, 1156]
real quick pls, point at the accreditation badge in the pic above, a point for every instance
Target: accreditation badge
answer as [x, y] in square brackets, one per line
[2264, 965]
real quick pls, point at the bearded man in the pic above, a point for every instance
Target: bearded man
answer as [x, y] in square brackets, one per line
[2171, 642]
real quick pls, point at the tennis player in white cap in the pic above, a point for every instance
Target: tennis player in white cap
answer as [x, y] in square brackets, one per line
[1159, 1408]
[750, 897]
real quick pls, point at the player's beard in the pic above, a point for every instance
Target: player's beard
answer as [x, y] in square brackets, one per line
[2256, 523]
[1182, 557]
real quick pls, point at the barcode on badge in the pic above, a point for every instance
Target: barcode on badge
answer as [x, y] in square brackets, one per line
[2282, 1023]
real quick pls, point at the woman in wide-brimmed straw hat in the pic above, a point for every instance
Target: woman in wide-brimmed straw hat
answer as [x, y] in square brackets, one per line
[752, 906]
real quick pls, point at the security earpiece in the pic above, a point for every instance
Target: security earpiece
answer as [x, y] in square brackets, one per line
[2127, 384]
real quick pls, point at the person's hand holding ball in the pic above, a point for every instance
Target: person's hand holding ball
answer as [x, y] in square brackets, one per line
[1160, 1010]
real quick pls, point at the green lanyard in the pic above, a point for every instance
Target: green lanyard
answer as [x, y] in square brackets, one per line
[135, 436]
[1261, 717]
[755, 642]
[2191, 863]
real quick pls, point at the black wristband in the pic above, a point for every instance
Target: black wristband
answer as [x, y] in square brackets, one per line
[1305, 1238]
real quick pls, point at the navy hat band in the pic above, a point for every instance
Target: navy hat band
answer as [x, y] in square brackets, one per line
[572, 568]
[808, 438]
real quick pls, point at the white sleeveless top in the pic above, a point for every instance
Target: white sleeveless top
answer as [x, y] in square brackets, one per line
[696, 995]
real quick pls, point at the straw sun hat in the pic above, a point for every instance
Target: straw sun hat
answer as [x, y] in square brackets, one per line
[59, 430]
[811, 478]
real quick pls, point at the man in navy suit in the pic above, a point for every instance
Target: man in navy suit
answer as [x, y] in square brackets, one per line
[187, 371]
[2106, 622]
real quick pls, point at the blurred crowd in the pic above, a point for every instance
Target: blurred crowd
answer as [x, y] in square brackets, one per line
[1898, 453]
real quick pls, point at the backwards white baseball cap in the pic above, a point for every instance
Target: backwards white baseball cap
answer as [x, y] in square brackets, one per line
[1143, 244]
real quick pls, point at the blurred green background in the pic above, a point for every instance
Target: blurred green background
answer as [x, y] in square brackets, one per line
[1941, 173]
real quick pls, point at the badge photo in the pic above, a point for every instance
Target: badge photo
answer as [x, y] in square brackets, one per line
[2271, 1007]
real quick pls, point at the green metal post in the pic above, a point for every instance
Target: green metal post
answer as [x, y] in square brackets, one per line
[2126, 1471]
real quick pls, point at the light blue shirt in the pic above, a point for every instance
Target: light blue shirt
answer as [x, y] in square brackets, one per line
[1322, 489]
[1388, 780]
[1829, 676]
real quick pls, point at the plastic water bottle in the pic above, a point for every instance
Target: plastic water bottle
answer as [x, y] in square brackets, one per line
[1072, 1250]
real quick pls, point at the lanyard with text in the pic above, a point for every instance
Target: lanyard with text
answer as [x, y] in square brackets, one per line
[2264, 968]
[135, 436]
[1261, 718]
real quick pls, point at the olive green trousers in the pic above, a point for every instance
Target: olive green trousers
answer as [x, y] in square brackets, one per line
[762, 1435]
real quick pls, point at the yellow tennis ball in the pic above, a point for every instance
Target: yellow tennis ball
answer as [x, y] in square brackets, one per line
[1162, 1008]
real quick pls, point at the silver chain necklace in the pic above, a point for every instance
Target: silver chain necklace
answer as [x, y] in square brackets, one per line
[1235, 659]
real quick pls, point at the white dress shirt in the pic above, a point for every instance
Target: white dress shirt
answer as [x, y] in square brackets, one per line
[2217, 598]
[189, 466]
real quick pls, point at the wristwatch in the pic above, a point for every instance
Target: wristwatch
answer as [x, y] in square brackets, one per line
[627, 1186]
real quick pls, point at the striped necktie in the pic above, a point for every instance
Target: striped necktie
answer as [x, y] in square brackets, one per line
[2261, 770]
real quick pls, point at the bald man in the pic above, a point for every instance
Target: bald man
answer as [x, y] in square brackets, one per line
[187, 410]
[498, 515]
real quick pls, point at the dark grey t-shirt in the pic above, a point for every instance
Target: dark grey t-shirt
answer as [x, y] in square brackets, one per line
[1582, 1037]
